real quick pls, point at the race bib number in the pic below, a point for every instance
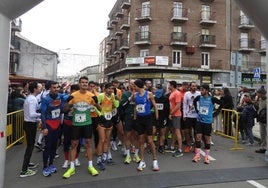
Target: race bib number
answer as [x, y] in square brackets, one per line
[204, 110]
[108, 115]
[140, 108]
[55, 113]
[80, 118]
[160, 106]
[114, 112]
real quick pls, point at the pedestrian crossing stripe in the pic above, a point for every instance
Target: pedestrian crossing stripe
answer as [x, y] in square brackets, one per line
[209, 157]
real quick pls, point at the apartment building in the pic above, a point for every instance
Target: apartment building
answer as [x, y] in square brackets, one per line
[207, 41]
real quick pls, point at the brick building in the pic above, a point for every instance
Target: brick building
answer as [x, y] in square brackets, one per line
[207, 41]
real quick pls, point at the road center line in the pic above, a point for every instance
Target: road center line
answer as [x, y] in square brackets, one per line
[256, 184]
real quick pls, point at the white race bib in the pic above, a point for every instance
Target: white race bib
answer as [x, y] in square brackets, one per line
[108, 115]
[55, 113]
[203, 110]
[160, 106]
[140, 108]
[80, 118]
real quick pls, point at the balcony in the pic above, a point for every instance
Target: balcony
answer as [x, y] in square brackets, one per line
[113, 38]
[178, 39]
[246, 45]
[207, 18]
[124, 44]
[119, 14]
[15, 46]
[143, 38]
[143, 15]
[108, 57]
[109, 26]
[245, 23]
[207, 41]
[179, 15]
[207, 1]
[114, 20]
[118, 33]
[125, 23]
[126, 4]
[16, 25]
[114, 67]
[262, 47]
[116, 50]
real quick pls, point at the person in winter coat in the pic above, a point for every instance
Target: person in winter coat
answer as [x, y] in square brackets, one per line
[249, 114]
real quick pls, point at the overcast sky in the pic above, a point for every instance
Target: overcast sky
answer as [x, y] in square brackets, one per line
[80, 25]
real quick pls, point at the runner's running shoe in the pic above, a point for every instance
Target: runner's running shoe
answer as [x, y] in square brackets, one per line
[100, 165]
[155, 166]
[196, 158]
[93, 171]
[127, 159]
[136, 158]
[77, 162]
[52, 169]
[141, 166]
[65, 164]
[69, 173]
[187, 149]
[46, 172]
[206, 160]
[27, 173]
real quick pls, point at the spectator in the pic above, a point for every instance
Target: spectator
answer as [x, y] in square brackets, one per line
[227, 102]
[261, 101]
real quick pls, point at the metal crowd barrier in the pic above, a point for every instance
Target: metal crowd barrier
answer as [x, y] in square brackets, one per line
[14, 131]
[227, 126]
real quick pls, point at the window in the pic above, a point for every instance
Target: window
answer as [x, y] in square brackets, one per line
[176, 58]
[205, 35]
[144, 32]
[177, 7]
[145, 10]
[144, 53]
[245, 62]
[205, 60]
[244, 40]
[177, 32]
[205, 15]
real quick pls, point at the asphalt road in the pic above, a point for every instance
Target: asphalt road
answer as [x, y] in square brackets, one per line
[232, 168]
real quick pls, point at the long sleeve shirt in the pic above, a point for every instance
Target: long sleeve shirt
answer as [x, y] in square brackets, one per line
[30, 108]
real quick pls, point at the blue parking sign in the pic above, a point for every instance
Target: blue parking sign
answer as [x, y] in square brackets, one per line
[257, 72]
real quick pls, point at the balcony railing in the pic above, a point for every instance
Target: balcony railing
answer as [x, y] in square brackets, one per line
[114, 20]
[125, 23]
[245, 23]
[178, 38]
[207, 18]
[208, 41]
[124, 44]
[207, 1]
[126, 4]
[143, 38]
[109, 25]
[179, 15]
[143, 14]
[246, 45]
[115, 67]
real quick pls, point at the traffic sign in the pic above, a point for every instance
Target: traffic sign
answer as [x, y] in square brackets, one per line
[257, 72]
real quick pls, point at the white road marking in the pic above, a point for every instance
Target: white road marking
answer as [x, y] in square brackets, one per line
[209, 157]
[256, 184]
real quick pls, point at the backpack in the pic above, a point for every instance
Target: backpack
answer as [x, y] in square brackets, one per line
[262, 116]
